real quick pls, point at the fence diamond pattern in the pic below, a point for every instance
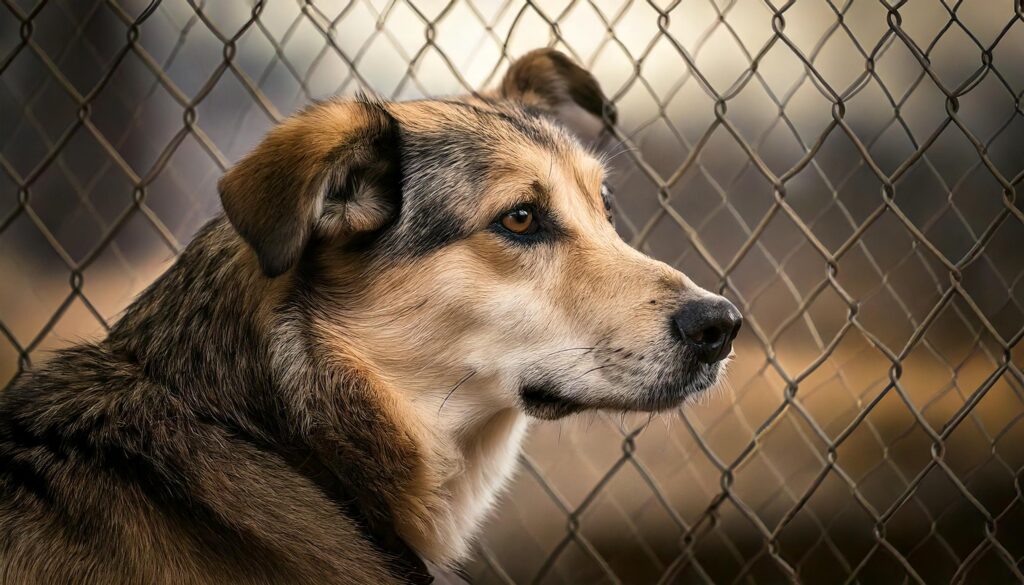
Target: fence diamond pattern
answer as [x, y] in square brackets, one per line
[848, 172]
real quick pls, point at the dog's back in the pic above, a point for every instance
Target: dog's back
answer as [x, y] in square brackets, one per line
[108, 477]
[165, 453]
[78, 477]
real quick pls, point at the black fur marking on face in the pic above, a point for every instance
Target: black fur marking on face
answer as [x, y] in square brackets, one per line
[428, 194]
[520, 119]
[441, 179]
[430, 228]
[542, 401]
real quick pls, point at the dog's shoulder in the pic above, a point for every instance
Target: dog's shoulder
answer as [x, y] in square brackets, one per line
[61, 431]
[126, 481]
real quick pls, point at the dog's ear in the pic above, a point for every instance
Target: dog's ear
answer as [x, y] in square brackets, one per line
[331, 171]
[552, 82]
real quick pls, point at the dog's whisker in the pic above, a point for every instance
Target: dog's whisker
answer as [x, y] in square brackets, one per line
[666, 419]
[454, 388]
[611, 147]
[588, 349]
[626, 149]
[594, 369]
[405, 312]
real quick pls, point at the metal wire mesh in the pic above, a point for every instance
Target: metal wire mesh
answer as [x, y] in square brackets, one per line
[846, 171]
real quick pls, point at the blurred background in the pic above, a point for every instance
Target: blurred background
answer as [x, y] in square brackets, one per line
[847, 171]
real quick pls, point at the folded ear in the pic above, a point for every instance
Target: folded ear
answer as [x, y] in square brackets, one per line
[552, 82]
[330, 171]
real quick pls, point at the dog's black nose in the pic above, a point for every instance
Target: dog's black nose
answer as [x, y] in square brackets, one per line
[708, 325]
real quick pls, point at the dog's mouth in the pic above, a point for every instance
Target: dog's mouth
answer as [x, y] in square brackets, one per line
[545, 400]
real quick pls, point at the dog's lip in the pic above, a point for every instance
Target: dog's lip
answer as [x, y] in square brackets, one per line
[544, 402]
[541, 400]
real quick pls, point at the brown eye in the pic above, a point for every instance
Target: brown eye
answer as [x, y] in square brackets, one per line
[519, 221]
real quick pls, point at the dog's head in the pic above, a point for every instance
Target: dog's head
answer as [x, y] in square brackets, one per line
[463, 250]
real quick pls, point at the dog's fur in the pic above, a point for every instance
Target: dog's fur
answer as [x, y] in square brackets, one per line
[333, 380]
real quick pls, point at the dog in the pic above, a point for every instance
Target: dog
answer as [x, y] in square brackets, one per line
[333, 381]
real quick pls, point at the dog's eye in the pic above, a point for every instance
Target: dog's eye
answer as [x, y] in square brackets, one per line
[519, 221]
[607, 197]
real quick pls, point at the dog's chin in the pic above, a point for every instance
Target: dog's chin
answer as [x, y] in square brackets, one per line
[549, 402]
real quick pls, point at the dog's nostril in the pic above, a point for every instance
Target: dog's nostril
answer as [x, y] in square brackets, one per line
[708, 326]
[709, 335]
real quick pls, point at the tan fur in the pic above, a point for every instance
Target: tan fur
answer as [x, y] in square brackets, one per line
[472, 301]
[275, 195]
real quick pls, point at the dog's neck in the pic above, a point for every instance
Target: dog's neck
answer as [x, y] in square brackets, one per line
[465, 448]
[257, 360]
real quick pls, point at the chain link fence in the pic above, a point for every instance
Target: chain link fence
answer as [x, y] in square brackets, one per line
[847, 172]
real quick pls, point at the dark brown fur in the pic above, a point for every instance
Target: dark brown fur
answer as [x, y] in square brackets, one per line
[213, 436]
[169, 453]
